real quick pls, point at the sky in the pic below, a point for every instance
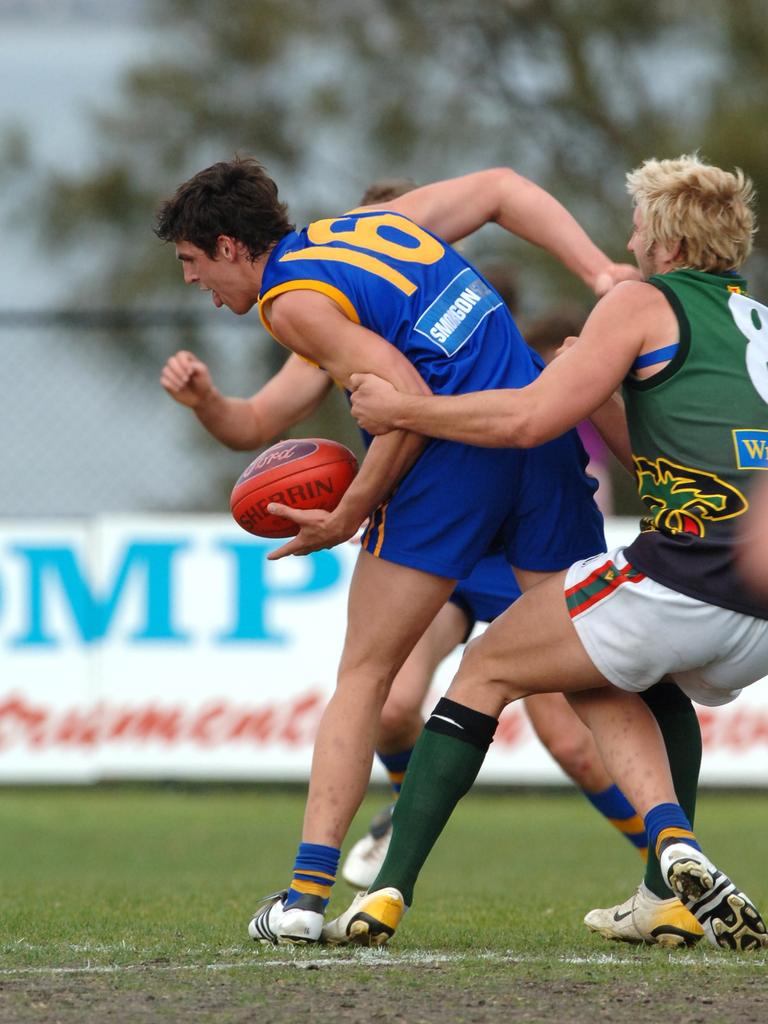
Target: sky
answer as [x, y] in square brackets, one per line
[55, 65]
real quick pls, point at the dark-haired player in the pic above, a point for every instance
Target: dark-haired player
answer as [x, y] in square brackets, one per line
[382, 291]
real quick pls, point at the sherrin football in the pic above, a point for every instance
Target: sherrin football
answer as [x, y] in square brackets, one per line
[305, 473]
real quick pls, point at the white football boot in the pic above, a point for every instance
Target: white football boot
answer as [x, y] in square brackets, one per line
[370, 920]
[644, 917]
[727, 915]
[300, 924]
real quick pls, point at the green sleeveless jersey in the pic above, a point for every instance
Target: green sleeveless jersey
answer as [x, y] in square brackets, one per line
[699, 435]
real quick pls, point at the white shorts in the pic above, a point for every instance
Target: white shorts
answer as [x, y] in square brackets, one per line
[636, 630]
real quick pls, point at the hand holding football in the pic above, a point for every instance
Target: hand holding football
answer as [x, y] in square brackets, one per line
[305, 473]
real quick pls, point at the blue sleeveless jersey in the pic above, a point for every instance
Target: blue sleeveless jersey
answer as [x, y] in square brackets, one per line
[458, 502]
[395, 278]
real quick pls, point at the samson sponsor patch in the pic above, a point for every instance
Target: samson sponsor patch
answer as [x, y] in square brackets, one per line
[457, 312]
[751, 448]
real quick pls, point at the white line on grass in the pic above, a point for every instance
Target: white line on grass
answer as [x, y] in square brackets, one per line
[383, 958]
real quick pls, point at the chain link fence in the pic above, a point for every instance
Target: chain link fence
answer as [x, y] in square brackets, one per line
[87, 429]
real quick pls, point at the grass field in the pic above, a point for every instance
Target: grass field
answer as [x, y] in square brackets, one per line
[131, 904]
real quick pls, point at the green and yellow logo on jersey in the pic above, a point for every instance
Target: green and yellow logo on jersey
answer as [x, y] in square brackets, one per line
[683, 500]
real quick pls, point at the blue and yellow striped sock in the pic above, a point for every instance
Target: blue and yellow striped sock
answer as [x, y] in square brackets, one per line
[667, 823]
[396, 765]
[614, 806]
[314, 873]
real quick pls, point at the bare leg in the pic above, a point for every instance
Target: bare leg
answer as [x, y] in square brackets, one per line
[568, 740]
[400, 726]
[390, 606]
[628, 736]
[401, 718]
[534, 648]
[531, 648]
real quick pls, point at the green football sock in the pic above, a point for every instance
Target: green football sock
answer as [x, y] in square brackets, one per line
[680, 728]
[443, 766]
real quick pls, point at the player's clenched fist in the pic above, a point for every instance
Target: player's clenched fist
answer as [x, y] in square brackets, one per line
[187, 379]
[374, 402]
[613, 274]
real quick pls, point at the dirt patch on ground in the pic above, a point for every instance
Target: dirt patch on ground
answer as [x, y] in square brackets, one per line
[429, 994]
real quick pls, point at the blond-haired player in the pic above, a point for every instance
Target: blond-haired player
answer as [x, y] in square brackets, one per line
[690, 346]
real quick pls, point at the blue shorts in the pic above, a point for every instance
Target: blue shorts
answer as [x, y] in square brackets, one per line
[459, 502]
[488, 591]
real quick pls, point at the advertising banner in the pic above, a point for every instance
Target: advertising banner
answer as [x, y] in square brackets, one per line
[170, 648]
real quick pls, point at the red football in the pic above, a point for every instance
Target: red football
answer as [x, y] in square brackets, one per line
[305, 473]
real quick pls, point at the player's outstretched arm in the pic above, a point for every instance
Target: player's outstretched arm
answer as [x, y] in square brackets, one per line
[575, 384]
[246, 423]
[455, 208]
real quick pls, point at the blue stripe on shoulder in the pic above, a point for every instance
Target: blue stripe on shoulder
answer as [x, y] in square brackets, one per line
[658, 355]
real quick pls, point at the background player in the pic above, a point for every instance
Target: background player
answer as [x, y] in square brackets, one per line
[377, 291]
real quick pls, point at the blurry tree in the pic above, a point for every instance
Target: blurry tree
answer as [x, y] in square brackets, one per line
[736, 130]
[332, 95]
